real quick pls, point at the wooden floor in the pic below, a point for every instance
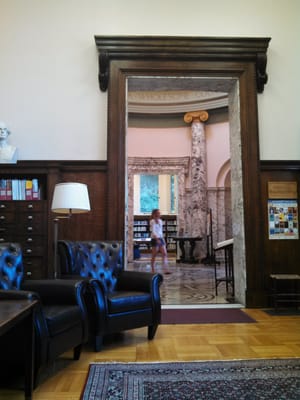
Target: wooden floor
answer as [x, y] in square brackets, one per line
[269, 337]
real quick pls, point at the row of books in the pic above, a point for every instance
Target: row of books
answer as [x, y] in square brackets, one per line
[20, 189]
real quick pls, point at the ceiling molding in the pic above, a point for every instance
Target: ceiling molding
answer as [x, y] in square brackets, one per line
[174, 102]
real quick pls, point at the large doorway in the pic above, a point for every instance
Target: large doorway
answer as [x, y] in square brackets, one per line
[154, 137]
[238, 64]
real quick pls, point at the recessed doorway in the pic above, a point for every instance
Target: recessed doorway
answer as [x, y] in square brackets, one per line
[159, 159]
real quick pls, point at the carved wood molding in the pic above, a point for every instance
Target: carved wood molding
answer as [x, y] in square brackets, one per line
[155, 164]
[170, 48]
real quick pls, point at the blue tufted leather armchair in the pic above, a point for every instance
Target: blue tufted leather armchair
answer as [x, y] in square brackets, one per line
[119, 300]
[60, 320]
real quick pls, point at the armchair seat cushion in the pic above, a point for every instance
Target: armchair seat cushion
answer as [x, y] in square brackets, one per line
[60, 319]
[122, 301]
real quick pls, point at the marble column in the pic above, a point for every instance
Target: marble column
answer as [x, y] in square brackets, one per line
[196, 212]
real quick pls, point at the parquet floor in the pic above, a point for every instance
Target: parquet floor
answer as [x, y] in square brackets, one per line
[269, 337]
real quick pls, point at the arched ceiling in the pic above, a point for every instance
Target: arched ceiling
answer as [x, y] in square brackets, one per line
[168, 95]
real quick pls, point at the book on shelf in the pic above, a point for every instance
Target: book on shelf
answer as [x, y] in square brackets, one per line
[8, 189]
[28, 190]
[2, 189]
[35, 189]
[20, 189]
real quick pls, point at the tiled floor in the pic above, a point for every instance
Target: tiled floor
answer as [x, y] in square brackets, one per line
[188, 284]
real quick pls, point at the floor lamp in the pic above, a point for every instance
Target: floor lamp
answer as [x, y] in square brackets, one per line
[68, 198]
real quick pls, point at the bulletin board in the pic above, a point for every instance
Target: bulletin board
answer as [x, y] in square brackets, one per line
[283, 219]
[283, 222]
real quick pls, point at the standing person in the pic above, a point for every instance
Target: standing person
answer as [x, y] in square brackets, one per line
[157, 241]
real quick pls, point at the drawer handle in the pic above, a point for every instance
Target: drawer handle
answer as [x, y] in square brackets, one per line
[30, 217]
[28, 273]
[30, 228]
[2, 217]
[2, 206]
[28, 263]
[29, 240]
[2, 240]
[30, 206]
[28, 251]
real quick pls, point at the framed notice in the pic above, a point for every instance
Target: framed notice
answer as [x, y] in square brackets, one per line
[283, 219]
[282, 190]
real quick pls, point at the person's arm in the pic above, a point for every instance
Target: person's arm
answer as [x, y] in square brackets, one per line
[153, 229]
[161, 229]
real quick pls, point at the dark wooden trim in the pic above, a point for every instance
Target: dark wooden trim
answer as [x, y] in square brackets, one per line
[280, 165]
[251, 182]
[82, 165]
[217, 49]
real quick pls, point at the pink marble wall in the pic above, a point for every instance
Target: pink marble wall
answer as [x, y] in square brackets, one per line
[217, 150]
[162, 142]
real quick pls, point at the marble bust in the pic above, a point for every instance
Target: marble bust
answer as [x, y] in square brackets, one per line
[8, 153]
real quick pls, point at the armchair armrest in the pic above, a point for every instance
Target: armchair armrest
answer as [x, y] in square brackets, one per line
[18, 295]
[41, 329]
[141, 281]
[57, 291]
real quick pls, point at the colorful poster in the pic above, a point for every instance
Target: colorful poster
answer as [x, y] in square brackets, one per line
[283, 219]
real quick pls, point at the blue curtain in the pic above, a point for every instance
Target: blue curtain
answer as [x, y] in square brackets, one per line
[149, 198]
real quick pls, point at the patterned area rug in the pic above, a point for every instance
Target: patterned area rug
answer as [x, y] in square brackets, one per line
[221, 380]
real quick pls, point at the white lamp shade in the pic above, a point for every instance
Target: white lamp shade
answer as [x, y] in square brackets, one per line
[70, 198]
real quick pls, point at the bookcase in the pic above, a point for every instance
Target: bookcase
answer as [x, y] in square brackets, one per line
[170, 231]
[29, 221]
[141, 230]
[23, 215]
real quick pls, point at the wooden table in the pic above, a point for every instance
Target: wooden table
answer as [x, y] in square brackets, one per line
[192, 240]
[21, 312]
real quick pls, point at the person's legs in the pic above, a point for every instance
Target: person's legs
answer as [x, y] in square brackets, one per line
[154, 252]
[164, 254]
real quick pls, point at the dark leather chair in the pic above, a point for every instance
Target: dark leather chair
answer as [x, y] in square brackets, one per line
[60, 320]
[119, 300]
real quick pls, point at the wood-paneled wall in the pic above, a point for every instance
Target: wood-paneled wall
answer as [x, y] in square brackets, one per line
[88, 226]
[276, 256]
[279, 256]
[93, 224]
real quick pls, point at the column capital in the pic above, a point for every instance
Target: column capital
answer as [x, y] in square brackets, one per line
[195, 116]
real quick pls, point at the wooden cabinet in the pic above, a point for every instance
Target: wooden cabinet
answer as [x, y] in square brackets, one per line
[25, 222]
[141, 230]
